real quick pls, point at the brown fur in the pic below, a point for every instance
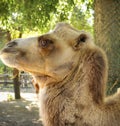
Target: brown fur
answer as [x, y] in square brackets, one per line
[71, 74]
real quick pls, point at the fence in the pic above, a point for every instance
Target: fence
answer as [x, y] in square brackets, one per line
[5, 79]
[24, 79]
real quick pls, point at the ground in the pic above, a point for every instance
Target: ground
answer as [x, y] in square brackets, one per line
[22, 112]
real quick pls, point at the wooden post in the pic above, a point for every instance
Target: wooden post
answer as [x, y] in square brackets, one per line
[16, 83]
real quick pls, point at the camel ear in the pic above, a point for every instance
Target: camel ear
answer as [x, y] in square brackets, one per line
[80, 41]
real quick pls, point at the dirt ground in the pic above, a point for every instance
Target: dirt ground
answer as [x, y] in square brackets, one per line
[22, 112]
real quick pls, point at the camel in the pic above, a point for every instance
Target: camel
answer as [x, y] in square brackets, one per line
[70, 76]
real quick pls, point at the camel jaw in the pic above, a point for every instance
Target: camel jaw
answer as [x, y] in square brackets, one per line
[43, 80]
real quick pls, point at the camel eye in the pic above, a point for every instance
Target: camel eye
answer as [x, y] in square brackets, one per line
[44, 42]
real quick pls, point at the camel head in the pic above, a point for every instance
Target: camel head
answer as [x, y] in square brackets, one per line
[49, 57]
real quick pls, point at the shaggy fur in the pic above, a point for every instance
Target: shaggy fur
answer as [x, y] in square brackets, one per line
[71, 87]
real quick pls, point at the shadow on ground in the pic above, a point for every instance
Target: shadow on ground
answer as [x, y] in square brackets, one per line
[19, 113]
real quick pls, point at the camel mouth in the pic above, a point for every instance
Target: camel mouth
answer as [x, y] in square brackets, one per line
[8, 50]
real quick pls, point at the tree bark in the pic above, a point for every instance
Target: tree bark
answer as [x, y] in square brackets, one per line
[107, 35]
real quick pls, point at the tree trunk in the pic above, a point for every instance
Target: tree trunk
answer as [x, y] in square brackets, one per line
[15, 74]
[16, 83]
[5, 77]
[107, 35]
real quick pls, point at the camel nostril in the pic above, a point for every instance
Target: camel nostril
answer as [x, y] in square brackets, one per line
[11, 44]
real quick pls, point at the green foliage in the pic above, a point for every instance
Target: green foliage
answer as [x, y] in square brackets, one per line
[4, 69]
[10, 97]
[38, 15]
[1, 67]
[81, 20]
